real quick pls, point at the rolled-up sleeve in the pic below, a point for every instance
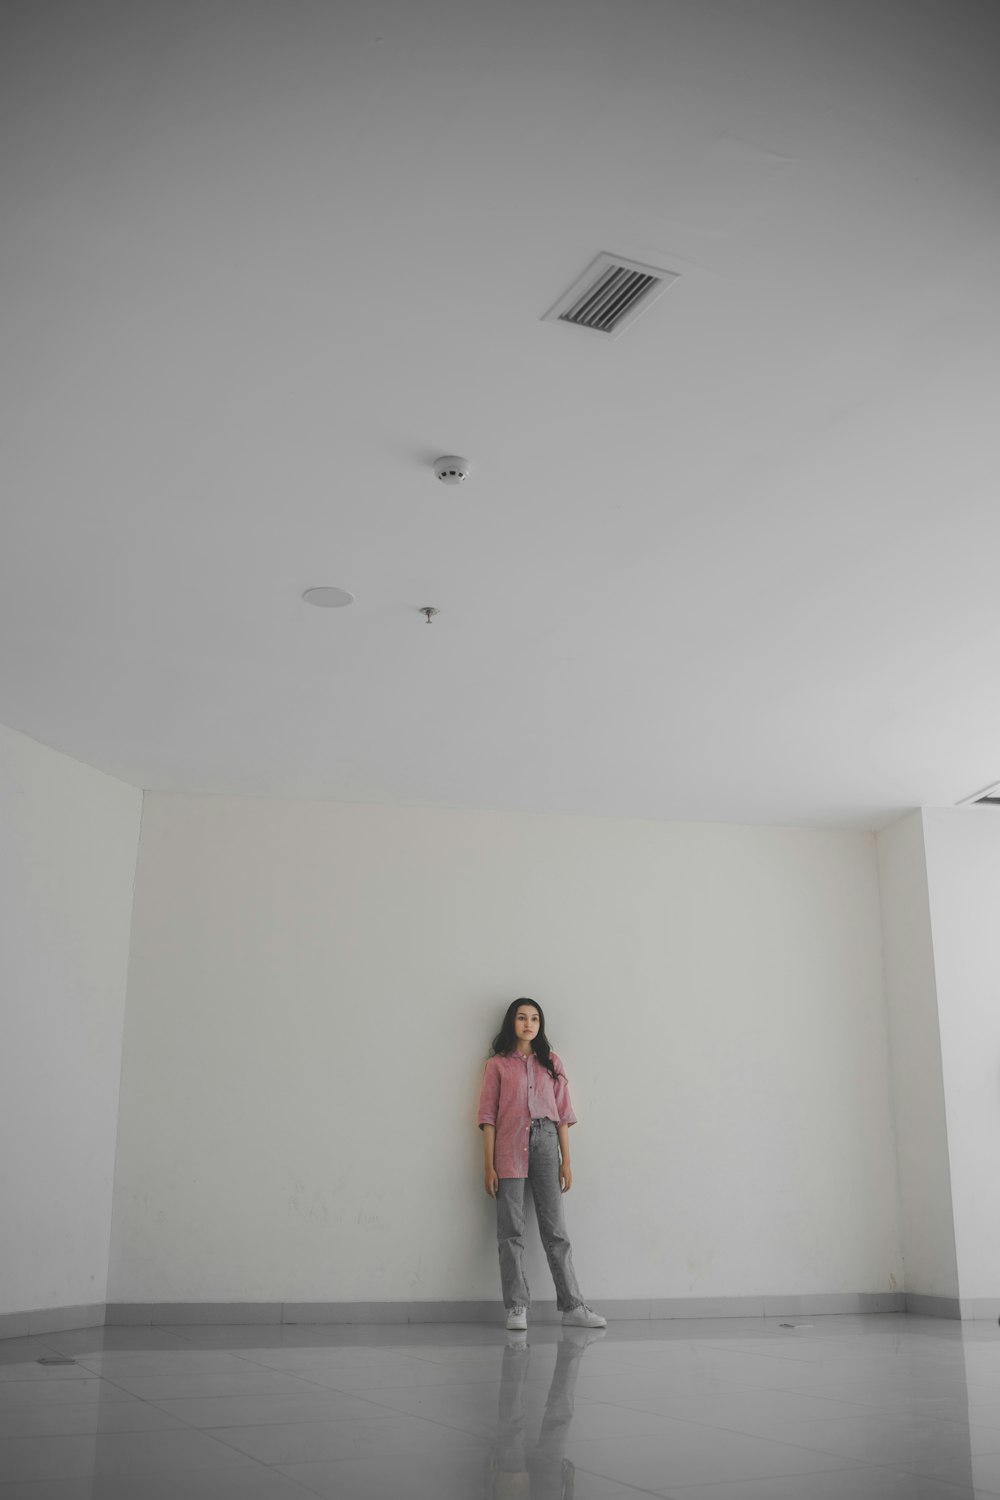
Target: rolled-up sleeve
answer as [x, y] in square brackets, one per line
[560, 1089]
[489, 1094]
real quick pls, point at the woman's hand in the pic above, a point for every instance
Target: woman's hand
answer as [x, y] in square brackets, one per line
[565, 1176]
[492, 1181]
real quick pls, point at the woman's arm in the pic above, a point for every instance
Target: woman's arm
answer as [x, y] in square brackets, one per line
[565, 1170]
[489, 1142]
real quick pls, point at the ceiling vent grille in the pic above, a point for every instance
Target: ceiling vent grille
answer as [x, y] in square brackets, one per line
[610, 295]
[988, 797]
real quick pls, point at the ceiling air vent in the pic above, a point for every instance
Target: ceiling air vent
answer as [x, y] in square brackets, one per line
[610, 295]
[988, 797]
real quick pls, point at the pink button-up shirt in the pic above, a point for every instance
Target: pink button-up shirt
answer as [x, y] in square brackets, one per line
[516, 1090]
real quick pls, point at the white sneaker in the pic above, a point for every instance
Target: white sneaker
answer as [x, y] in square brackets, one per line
[582, 1338]
[582, 1317]
[517, 1319]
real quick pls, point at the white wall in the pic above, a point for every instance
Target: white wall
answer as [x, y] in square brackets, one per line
[926, 1227]
[68, 842]
[312, 991]
[963, 875]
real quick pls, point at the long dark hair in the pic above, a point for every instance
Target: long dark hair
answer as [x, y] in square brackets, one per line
[505, 1041]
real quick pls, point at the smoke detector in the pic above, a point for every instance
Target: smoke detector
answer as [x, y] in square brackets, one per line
[327, 597]
[451, 469]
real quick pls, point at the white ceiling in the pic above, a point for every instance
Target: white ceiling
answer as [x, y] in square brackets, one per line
[264, 260]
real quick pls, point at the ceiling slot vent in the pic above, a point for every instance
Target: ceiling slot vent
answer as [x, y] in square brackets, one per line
[610, 295]
[988, 797]
[608, 302]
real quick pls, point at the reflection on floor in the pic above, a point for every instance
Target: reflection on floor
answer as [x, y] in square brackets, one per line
[829, 1408]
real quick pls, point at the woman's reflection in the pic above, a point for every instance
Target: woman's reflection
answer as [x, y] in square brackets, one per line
[525, 1462]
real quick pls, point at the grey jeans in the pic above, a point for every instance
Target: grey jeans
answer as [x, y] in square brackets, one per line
[543, 1175]
[518, 1414]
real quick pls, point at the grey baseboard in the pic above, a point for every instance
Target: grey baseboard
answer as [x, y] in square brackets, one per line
[20, 1325]
[617, 1310]
[165, 1313]
[926, 1306]
[391, 1312]
[826, 1304]
[127, 1314]
[117, 1314]
[978, 1308]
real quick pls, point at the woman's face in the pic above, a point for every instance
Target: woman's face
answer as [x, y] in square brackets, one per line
[526, 1023]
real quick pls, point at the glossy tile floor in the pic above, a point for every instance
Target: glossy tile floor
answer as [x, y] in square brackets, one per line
[833, 1408]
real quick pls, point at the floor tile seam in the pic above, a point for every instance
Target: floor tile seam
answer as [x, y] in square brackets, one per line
[638, 1489]
[401, 1385]
[254, 1363]
[401, 1412]
[49, 1437]
[314, 1391]
[450, 1364]
[779, 1442]
[666, 1416]
[959, 1488]
[23, 1406]
[303, 1422]
[285, 1470]
[737, 1486]
[899, 1466]
[115, 1379]
[783, 1336]
[827, 1340]
[737, 1431]
[150, 1356]
[488, 1438]
[158, 1405]
[387, 1413]
[153, 1406]
[978, 1421]
[313, 1385]
[855, 1407]
[392, 1411]
[127, 1432]
[776, 1358]
[292, 1479]
[923, 1421]
[360, 1460]
[798, 1474]
[97, 1432]
[221, 1443]
[278, 1469]
[345, 1391]
[116, 1386]
[52, 1380]
[186, 1340]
